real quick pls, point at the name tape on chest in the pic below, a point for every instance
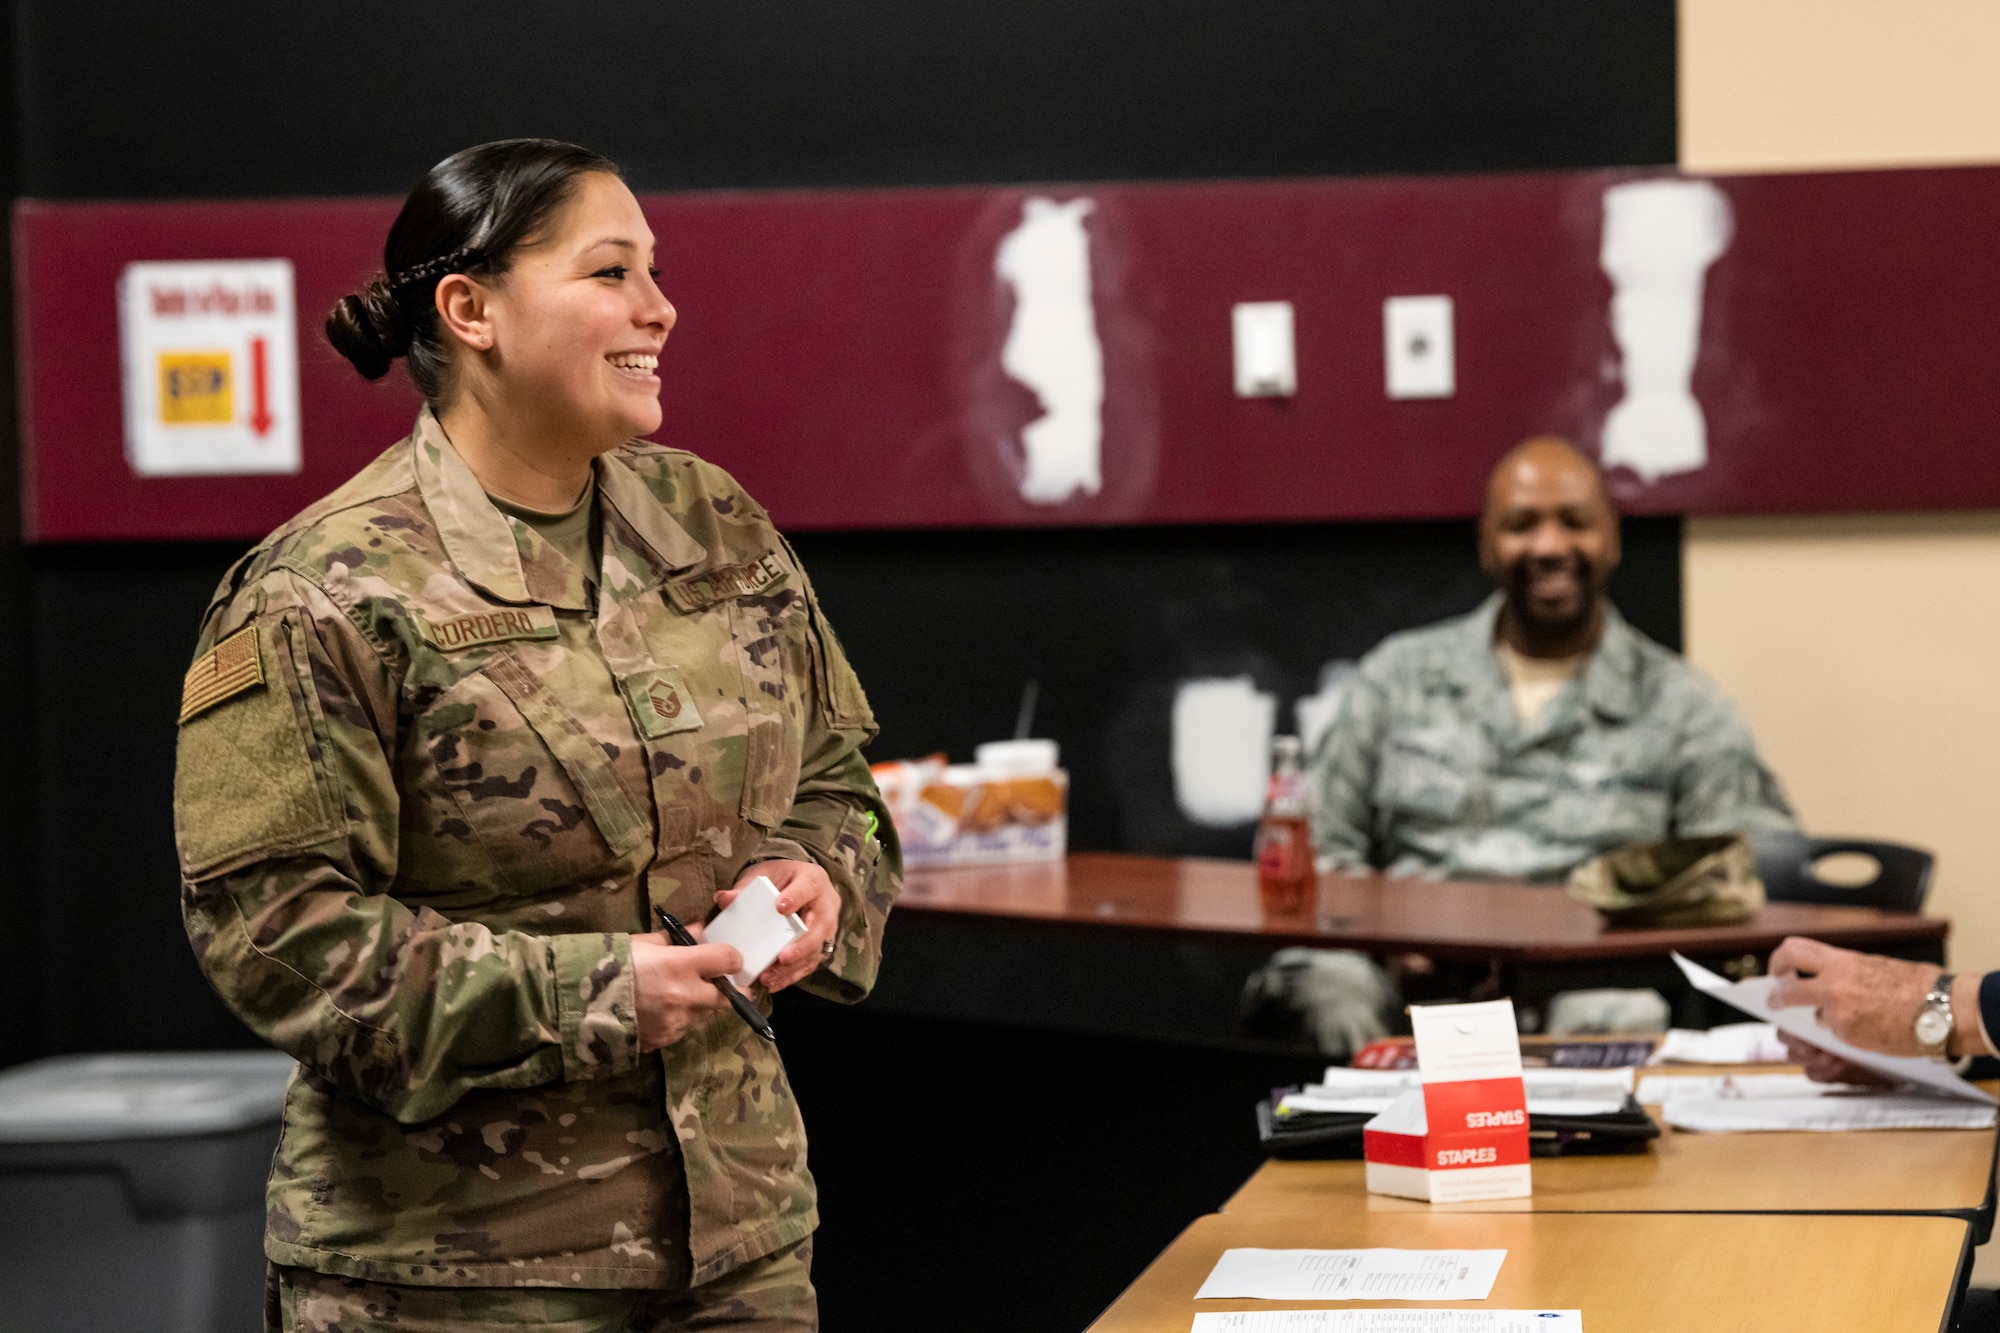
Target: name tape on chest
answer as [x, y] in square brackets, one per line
[229, 668]
[691, 595]
[478, 628]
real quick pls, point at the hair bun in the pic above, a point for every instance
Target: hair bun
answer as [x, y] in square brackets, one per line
[370, 329]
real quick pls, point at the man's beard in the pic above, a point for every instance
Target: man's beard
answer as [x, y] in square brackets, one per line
[1537, 619]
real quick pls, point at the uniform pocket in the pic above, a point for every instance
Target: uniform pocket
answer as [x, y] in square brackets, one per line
[529, 780]
[1420, 784]
[1609, 816]
[769, 632]
[252, 777]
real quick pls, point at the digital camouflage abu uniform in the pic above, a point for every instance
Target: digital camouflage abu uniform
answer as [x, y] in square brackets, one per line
[1429, 770]
[429, 783]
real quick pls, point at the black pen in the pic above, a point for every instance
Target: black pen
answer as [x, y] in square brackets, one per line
[737, 999]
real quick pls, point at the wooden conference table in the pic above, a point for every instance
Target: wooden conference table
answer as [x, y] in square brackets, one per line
[1640, 1273]
[1933, 1171]
[1197, 898]
[1827, 1231]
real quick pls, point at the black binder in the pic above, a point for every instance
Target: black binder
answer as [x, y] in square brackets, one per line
[1333, 1134]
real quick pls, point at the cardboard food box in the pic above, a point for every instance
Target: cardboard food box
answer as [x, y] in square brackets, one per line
[1464, 1134]
[1011, 806]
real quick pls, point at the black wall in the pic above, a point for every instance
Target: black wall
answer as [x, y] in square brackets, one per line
[126, 99]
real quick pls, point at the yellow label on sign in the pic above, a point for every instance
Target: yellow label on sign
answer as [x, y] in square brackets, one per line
[196, 389]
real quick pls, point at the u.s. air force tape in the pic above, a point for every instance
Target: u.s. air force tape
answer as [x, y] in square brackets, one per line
[495, 626]
[231, 667]
[692, 594]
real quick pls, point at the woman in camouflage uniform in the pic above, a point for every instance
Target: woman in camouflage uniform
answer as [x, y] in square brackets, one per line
[450, 735]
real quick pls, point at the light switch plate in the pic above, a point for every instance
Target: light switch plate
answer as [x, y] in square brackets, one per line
[1417, 347]
[1265, 364]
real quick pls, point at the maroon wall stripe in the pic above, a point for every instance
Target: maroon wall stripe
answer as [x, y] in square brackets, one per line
[840, 351]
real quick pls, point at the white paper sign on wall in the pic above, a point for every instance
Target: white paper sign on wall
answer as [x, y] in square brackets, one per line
[211, 367]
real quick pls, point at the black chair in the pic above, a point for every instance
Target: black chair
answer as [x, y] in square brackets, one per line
[1785, 863]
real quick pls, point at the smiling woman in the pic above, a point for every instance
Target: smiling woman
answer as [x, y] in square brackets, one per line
[453, 734]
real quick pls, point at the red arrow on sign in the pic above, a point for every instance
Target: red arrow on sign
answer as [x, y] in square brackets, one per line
[260, 408]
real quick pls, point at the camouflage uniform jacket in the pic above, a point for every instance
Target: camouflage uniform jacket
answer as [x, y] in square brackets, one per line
[1428, 769]
[429, 784]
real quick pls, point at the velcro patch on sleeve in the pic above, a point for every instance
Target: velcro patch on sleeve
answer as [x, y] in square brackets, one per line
[691, 595]
[478, 628]
[228, 669]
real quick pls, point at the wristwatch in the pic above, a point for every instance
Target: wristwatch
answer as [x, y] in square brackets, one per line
[1934, 1019]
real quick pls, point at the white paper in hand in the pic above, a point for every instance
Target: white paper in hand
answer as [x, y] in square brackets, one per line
[1753, 997]
[754, 925]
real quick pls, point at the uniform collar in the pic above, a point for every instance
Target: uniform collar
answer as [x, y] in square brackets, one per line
[1608, 684]
[508, 560]
[654, 539]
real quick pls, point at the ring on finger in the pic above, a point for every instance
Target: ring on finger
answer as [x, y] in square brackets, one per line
[826, 949]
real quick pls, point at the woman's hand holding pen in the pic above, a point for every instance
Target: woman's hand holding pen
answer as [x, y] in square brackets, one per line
[674, 985]
[803, 887]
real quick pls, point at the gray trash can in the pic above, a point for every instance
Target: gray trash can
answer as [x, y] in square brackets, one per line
[132, 1191]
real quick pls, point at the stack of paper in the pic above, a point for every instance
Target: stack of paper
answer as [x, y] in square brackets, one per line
[1726, 1044]
[1739, 1103]
[1550, 1091]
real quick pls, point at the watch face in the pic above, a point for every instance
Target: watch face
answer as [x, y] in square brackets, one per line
[1932, 1027]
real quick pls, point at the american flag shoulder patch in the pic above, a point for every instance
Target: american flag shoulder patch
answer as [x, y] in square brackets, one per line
[229, 668]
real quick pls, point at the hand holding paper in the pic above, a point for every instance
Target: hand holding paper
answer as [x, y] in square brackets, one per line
[1753, 997]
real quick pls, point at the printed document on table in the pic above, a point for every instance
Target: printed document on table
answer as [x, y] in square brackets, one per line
[1753, 997]
[1887, 1110]
[1739, 1103]
[1353, 1275]
[1391, 1321]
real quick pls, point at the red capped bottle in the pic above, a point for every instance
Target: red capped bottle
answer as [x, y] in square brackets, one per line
[1286, 880]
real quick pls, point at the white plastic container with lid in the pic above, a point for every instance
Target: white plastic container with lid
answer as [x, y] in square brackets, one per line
[1017, 759]
[132, 1190]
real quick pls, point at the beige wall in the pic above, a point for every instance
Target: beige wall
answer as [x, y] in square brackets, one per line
[1773, 85]
[1865, 653]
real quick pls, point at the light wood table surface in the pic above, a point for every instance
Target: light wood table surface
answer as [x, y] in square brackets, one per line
[1888, 1171]
[1639, 1273]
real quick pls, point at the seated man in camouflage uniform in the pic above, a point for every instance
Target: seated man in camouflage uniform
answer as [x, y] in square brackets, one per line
[1540, 730]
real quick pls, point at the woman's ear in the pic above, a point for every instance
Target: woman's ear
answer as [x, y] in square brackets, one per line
[465, 310]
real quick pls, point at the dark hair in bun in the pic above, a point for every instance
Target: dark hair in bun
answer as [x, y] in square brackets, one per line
[469, 214]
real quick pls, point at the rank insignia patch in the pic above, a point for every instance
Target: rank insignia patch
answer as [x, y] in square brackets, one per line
[229, 668]
[662, 701]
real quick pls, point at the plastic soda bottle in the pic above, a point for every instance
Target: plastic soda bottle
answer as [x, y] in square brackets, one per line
[1286, 880]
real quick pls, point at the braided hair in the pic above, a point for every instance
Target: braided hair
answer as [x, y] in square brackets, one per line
[469, 214]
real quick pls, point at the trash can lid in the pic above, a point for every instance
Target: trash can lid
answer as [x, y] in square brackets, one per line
[78, 1098]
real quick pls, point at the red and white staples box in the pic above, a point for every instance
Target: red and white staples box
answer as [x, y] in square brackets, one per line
[1464, 1134]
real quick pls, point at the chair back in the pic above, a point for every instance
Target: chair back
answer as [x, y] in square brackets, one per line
[1785, 862]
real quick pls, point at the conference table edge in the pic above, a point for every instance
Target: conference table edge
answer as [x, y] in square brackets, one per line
[1961, 1277]
[1894, 929]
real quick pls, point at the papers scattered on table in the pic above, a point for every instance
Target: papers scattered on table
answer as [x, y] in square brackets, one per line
[1746, 1103]
[1391, 1321]
[1729, 1044]
[1888, 1110]
[1665, 1089]
[1550, 1091]
[1753, 997]
[1353, 1275]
